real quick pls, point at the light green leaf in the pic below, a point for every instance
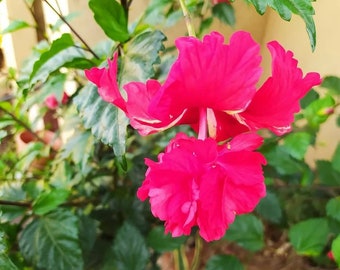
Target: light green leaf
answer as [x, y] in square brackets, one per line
[61, 52]
[51, 242]
[225, 13]
[332, 83]
[309, 237]
[269, 208]
[130, 250]
[336, 249]
[162, 242]
[311, 96]
[14, 26]
[111, 17]
[333, 208]
[296, 144]
[107, 122]
[247, 231]
[224, 262]
[141, 55]
[49, 200]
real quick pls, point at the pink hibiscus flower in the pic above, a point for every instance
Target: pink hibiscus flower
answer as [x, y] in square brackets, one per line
[219, 78]
[200, 183]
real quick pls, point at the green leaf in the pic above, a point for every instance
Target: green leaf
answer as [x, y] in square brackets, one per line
[107, 122]
[332, 83]
[336, 159]
[87, 235]
[336, 249]
[162, 242]
[246, 231]
[223, 262]
[327, 175]
[311, 96]
[309, 237]
[318, 111]
[285, 8]
[141, 55]
[111, 17]
[61, 52]
[14, 26]
[51, 242]
[269, 208]
[130, 250]
[5, 261]
[296, 144]
[49, 200]
[333, 208]
[225, 13]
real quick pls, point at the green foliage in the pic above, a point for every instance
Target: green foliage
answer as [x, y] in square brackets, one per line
[222, 262]
[247, 231]
[5, 261]
[15, 26]
[269, 208]
[224, 12]
[306, 239]
[336, 249]
[333, 208]
[162, 242]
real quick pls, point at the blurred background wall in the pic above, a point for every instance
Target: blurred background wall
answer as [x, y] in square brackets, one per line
[292, 35]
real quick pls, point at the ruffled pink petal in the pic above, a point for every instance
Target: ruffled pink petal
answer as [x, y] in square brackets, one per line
[106, 81]
[209, 74]
[199, 183]
[275, 103]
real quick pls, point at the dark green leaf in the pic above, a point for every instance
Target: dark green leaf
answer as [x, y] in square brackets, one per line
[14, 26]
[309, 237]
[205, 25]
[5, 261]
[269, 208]
[129, 249]
[51, 242]
[61, 52]
[49, 200]
[111, 17]
[319, 111]
[333, 208]
[327, 175]
[11, 192]
[223, 262]
[336, 159]
[247, 231]
[87, 235]
[311, 96]
[296, 144]
[162, 242]
[225, 13]
[107, 122]
[285, 8]
[141, 55]
[332, 83]
[336, 249]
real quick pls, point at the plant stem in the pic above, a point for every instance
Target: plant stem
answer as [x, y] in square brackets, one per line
[187, 18]
[72, 29]
[198, 248]
[23, 124]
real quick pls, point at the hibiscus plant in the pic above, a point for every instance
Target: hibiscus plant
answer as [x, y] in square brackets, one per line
[142, 153]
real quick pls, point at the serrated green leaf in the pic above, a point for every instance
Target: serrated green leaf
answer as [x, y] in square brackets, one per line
[111, 17]
[306, 239]
[225, 13]
[130, 250]
[297, 143]
[336, 249]
[61, 52]
[285, 8]
[223, 262]
[141, 55]
[333, 208]
[15, 26]
[51, 242]
[269, 208]
[107, 122]
[162, 242]
[246, 231]
[49, 200]
[336, 159]
[327, 175]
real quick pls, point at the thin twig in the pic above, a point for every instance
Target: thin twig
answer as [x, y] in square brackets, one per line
[72, 29]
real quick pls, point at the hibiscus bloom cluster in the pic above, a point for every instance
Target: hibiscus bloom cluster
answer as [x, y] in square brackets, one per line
[208, 180]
